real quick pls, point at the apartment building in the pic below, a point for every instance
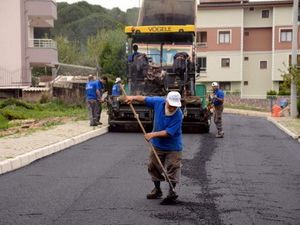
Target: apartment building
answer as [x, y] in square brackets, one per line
[22, 42]
[244, 45]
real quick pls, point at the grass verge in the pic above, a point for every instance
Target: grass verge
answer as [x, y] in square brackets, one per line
[16, 110]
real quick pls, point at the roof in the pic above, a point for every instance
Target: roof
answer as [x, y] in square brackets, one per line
[36, 89]
[67, 81]
[242, 3]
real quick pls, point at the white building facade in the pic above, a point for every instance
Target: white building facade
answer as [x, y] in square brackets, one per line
[244, 45]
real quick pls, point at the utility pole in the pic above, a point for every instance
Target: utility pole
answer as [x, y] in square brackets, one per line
[294, 58]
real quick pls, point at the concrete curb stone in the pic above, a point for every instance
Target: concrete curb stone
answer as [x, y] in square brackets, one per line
[27, 158]
[246, 112]
[283, 128]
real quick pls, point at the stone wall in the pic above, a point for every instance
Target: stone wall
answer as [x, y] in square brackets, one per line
[259, 104]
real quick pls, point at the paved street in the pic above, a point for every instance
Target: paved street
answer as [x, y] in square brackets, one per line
[252, 176]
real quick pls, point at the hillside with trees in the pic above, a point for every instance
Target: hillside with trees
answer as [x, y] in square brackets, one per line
[91, 35]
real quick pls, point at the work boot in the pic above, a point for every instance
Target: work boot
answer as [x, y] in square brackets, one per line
[170, 199]
[220, 134]
[155, 194]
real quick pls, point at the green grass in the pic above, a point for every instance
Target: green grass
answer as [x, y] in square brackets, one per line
[13, 109]
[293, 124]
[245, 107]
[3, 122]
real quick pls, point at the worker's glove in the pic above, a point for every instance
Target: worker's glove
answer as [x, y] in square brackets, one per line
[213, 96]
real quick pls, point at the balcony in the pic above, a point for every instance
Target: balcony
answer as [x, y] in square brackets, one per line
[201, 44]
[42, 43]
[42, 51]
[45, 9]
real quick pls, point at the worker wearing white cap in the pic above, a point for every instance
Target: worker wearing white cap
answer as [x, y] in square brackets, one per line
[166, 139]
[217, 101]
[116, 89]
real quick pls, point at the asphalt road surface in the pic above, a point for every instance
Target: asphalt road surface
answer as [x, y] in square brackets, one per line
[252, 176]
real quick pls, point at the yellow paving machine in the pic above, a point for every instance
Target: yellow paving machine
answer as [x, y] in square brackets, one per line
[165, 61]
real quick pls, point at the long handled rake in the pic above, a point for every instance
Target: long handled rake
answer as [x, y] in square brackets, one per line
[151, 146]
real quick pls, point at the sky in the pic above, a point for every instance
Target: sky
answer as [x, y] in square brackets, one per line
[109, 4]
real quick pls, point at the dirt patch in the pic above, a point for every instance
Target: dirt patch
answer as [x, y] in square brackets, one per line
[24, 127]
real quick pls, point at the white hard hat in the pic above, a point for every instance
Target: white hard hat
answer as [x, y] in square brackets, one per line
[215, 84]
[174, 99]
[118, 79]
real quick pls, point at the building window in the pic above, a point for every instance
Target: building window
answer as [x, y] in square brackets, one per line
[201, 64]
[246, 58]
[263, 64]
[224, 37]
[265, 14]
[201, 39]
[245, 83]
[298, 60]
[225, 62]
[226, 86]
[286, 35]
[246, 33]
[251, 9]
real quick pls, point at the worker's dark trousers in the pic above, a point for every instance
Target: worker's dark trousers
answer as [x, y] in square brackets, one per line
[218, 111]
[172, 163]
[99, 105]
[93, 111]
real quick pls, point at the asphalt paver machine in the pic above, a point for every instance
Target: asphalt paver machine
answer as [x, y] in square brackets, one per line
[165, 61]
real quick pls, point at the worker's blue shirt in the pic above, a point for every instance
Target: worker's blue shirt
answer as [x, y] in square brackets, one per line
[131, 57]
[116, 90]
[100, 86]
[172, 124]
[90, 90]
[220, 94]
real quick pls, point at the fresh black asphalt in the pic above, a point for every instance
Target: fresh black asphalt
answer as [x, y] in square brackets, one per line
[252, 176]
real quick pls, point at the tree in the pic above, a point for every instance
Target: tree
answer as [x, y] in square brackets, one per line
[292, 73]
[67, 52]
[107, 49]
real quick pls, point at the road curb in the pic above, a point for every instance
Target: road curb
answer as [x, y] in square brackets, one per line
[283, 128]
[246, 112]
[27, 158]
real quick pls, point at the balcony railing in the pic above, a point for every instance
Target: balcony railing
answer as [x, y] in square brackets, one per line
[201, 44]
[42, 43]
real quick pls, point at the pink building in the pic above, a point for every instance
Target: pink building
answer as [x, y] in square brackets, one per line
[22, 42]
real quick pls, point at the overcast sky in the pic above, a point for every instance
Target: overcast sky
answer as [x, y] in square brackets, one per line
[109, 4]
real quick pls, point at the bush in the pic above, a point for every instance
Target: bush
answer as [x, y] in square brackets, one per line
[3, 122]
[271, 92]
[13, 113]
[45, 98]
[284, 92]
[15, 102]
